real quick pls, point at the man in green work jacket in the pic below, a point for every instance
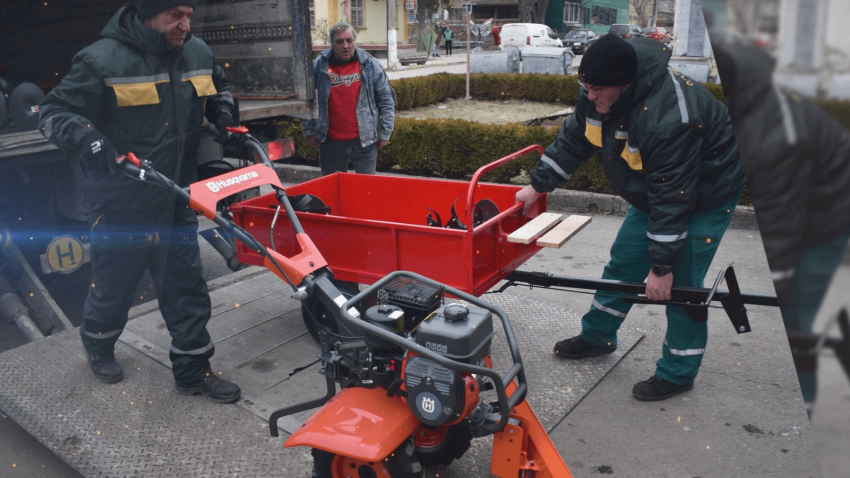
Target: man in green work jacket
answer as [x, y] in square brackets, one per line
[142, 88]
[666, 146]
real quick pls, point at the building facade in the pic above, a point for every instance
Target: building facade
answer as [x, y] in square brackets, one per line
[368, 17]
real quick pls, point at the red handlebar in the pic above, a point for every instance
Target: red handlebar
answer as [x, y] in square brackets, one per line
[488, 167]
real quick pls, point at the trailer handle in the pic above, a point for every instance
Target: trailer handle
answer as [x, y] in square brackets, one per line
[489, 167]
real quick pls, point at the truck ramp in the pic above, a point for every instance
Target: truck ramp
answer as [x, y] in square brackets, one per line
[141, 427]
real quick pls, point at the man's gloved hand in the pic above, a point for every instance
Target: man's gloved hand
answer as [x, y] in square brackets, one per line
[97, 153]
[224, 120]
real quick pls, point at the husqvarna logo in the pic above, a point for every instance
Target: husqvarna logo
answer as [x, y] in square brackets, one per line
[216, 186]
[428, 405]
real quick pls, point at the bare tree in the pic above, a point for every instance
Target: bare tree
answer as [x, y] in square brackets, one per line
[532, 11]
[643, 9]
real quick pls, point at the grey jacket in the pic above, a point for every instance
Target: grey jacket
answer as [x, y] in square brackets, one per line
[375, 105]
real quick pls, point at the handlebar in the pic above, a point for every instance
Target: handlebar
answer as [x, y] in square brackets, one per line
[489, 167]
[203, 197]
[506, 404]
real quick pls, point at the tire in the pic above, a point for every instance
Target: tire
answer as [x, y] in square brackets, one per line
[311, 308]
[401, 463]
[24, 97]
[442, 445]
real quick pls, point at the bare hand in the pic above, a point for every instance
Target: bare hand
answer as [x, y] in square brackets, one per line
[528, 196]
[658, 288]
[314, 142]
[382, 143]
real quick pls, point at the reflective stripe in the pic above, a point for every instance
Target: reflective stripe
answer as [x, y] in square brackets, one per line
[593, 122]
[103, 335]
[777, 276]
[787, 119]
[607, 310]
[135, 80]
[199, 351]
[552, 164]
[192, 74]
[667, 237]
[621, 134]
[683, 107]
[683, 353]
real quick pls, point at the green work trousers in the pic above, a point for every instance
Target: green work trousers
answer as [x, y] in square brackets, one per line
[684, 344]
[801, 299]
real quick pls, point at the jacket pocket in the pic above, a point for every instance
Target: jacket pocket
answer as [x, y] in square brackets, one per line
[203, 85]
[136, 94]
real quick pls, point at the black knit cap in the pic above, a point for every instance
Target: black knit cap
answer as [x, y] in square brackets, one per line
[149, 8]
[610, 61]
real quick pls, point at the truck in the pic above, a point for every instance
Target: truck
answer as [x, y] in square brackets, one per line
[264, 48]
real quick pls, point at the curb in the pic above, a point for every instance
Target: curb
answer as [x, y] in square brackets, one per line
[560, 200]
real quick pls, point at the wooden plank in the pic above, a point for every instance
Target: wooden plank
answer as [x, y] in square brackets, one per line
[240, 319]
[250, 344]
[275, 366]
[303, 386]
[535, 228]
[224, 300]
[564, 231]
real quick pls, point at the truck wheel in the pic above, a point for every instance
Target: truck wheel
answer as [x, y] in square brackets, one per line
[401, 463]
[441, 445]
[312, 310]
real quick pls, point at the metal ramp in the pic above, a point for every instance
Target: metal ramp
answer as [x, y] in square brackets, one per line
[141, 427]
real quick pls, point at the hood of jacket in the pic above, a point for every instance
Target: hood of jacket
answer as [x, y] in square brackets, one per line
[747, 76]
[126, 27]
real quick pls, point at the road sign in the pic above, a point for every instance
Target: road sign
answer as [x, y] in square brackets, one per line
[64, 255]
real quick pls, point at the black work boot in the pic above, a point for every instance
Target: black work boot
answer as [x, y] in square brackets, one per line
[105, 369]
[213, 388]
[656, 388]
[578, 348]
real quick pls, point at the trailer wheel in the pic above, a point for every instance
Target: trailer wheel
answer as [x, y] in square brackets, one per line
[401, 463]
[441, 445]
[312, 310]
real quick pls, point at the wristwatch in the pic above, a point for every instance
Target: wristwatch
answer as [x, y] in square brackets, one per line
[661, 270]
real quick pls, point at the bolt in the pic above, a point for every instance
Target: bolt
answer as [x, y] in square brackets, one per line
[741, 328]
[510, 432]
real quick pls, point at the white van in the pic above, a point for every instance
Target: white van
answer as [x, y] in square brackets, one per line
[521, 35]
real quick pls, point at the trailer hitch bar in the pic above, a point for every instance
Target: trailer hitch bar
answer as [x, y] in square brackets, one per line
[694, 300]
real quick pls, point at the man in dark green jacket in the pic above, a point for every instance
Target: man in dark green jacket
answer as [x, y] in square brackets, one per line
[666, 146]
[142, 88]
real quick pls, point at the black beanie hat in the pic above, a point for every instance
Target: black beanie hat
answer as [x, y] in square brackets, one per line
[610, 61]
[149, 8]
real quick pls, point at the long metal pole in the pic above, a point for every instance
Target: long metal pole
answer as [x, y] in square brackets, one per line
[467, 55]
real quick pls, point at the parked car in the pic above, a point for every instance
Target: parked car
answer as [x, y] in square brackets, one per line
[579, 39]
[625, 30]
[522, 35]
[657, 33]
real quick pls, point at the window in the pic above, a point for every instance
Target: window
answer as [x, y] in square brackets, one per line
[572, 13]
[603, 16]
[312, 7]
[357, 13]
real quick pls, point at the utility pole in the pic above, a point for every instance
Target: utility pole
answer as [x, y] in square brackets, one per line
[468, 19]
[392, 38]
[654, 19]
